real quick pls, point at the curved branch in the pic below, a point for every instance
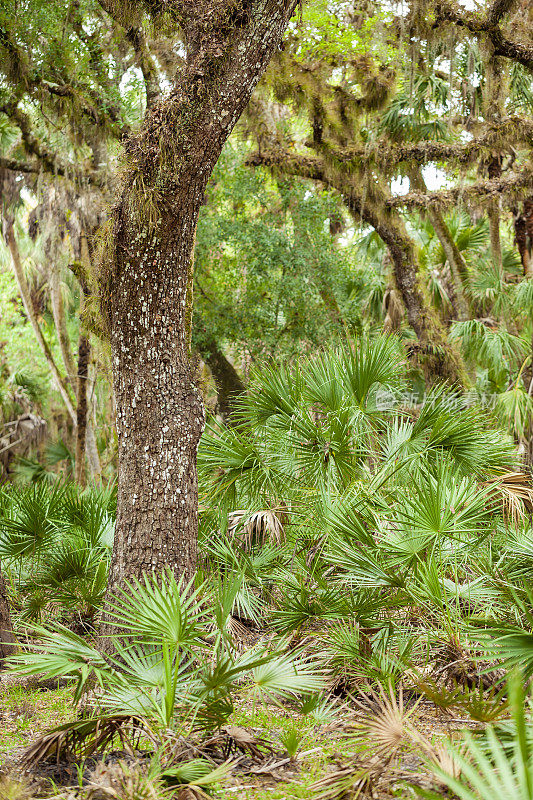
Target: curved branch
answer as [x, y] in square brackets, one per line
[143, 56]
[47, 159]
[13, 165]
[371, 207]
[24, 290]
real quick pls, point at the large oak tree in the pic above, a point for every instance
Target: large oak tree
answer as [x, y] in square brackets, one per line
[146, 272]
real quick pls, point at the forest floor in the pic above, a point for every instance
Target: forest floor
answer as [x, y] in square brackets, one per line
[328, 757]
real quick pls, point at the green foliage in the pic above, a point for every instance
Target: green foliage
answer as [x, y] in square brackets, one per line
[485, 769]
[55, 544]
[170, 672]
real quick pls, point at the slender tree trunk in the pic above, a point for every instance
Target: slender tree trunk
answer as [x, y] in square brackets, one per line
[7, 639]
[25, 294]
[493, 212]
[520, 233]
[458, 268]
[147, 279]
[60, 322]
[87, 434]
[91, 449]
[84, 350]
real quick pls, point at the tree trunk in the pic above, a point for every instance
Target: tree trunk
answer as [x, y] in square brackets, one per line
[91, 448]
[147, 279]
[458, 268]
[7, 639]
[58, 313]
[227, 379]
[521, 239]
[493, 212]
[84, 350]
[438, 359]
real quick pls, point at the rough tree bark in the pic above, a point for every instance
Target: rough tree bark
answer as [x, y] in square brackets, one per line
[524, 237]
[146, 276]
[493, 213]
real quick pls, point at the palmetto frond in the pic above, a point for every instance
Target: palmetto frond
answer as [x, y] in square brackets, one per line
[383, 719]
[482, 767]
[34, 521]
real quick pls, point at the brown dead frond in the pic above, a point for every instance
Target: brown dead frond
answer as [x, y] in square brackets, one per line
[191, 793]
[392, 310]
[234, 739]
[238, 632]
[241, 739]
[257, 528]
[382, 721]
[440, 755]
[347, 782]
[513, 493]
[82, 737]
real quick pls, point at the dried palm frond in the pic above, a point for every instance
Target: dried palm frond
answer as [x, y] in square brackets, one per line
[241, 739]
[383, 722]
[513, 492]
[442, 757]
[347, 782]
[256, 528]
[232, 739]
[122, 782]
[82, 737]
[392, 310]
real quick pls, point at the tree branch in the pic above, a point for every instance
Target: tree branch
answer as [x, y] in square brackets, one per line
[512, 130]
[34, 84]
[143, 56]
[47, 159]
[447, 11]
[13, 165]
[512, 183]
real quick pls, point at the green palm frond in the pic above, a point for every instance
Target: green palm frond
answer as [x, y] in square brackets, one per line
[483, 770]
[34, 522]
[160, 609]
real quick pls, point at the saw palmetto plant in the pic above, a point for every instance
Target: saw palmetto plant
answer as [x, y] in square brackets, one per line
[174, 672]
[55, 544]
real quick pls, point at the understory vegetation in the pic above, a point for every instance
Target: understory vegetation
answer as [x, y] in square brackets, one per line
[365, 583]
